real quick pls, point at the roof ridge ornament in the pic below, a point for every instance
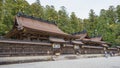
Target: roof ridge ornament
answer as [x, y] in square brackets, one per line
[80, 32]
[19, 14]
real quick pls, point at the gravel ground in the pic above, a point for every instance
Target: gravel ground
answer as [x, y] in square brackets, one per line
[101, 62]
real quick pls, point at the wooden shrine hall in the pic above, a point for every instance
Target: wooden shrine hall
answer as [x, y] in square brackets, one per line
[94, 45]
[34, 36]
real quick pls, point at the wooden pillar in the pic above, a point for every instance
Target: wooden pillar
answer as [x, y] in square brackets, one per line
[118, 50]
[83, 49]
[38, 37]
[28, 36]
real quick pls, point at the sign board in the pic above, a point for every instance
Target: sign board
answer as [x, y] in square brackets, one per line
[104, 48]
[76, 47]
[56, 45]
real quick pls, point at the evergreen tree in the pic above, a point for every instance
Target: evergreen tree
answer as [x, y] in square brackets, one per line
[38, 2]
[63, 20]
[75, 22]
[106, 24]
[50, 13]
[118, 13]
[37, 10]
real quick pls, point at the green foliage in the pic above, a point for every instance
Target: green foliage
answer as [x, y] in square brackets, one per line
[63, 20]
[36, 10]
[8, 9]
[118, 13]
[50, 13]
[75, 23]
[106, 24]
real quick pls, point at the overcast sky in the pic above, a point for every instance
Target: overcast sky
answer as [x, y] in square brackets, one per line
[80, 7]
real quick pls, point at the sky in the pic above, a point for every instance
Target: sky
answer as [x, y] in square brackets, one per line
[80, 7]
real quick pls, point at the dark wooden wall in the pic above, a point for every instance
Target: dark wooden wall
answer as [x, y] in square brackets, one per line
[112, 50]
[24, 49]
[67, 50]
[91, 51]
[10, 49]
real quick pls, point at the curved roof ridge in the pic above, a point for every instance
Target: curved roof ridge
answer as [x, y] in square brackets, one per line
[20, 14]
[97, 38]
[28, 23]
[38, 25]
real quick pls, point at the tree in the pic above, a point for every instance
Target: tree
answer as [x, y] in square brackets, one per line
[37, 10]
[51, 13]
[75, 23]
[91, 25]
[117, 32]
[118, 13]
[9, 9]
[111, 15]
[63, 20]
[38, 2]
[106, 24]
[92, 15]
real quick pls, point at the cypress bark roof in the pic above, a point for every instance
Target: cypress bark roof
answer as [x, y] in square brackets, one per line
[37, 25]
[57, 40]
[77, 42]
[25, 42]
[83, 34]
[96, 39]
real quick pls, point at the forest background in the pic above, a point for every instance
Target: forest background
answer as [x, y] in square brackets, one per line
[106, 24]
